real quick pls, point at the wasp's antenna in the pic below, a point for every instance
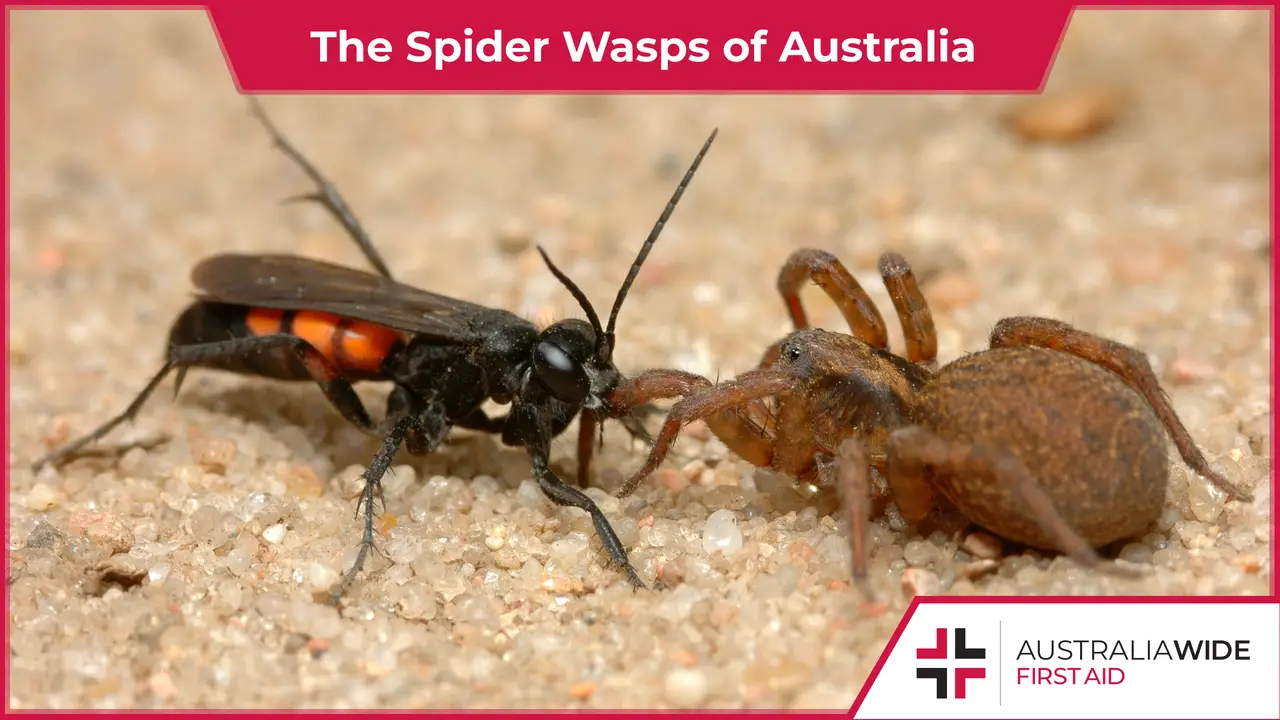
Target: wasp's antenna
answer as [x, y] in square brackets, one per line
[607, 338]
[574, 289]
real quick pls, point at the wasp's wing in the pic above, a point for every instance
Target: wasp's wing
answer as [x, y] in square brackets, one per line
[290, 282]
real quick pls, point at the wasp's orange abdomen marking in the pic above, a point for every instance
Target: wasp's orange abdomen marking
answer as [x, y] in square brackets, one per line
[363, 346]
[262, 321]
[352, 345]
[320, 330]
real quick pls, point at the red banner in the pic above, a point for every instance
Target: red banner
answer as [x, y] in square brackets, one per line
[656, 46]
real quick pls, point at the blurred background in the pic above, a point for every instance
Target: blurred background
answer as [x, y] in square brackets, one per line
[1131, 199]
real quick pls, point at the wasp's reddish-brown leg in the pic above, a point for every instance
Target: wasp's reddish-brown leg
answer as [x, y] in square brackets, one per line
[590, 429]
[635, 393]
[586, 445]
[1131, 365]
[828, 273]
[749, 386]
[913, 311]
[661, 384]
[632, 395]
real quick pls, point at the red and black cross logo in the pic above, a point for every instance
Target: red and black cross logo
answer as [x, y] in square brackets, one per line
[962, 674]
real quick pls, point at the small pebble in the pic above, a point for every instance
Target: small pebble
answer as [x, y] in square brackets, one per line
[507, 559]
[238, 561]
[318, 577]
[582, 690]
[1137, 553]
[318, 646]
[673, 480]
[693, 471]
[1169, 557]
[229, 594]
[979, 568]
[685, 688]
[920, 552]
[213, 455]
[1227, 466]
[418, 602]
[207, 525]
[916, 581]
[1064, 116]
[43, 535]
[801, 552]
[42, 498]
[806, 520]
[835, 549]
[1240, 538]
[721, 533]
[80, 521]
[983, 545]
[1206, 499]
[111, 535]
[1193, 534]
[159, 572]
[303, 483]
[528, 495]
[162, 686]
[275, 533]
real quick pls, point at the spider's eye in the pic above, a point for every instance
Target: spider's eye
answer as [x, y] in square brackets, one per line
[563, 375]
[791, 352]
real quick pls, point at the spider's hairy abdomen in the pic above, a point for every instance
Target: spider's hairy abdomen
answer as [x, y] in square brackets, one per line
[1092, 443]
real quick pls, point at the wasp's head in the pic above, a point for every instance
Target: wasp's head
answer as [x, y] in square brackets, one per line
[568, 362]
[573, 359]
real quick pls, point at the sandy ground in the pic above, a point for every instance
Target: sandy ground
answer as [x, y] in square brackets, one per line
[184, 573]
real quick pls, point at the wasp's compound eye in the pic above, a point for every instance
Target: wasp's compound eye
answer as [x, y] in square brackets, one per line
[563, 375]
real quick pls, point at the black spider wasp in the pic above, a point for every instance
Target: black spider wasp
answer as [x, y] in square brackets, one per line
[292, 318]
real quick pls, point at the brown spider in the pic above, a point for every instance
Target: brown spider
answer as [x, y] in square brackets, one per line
[1051, 438]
